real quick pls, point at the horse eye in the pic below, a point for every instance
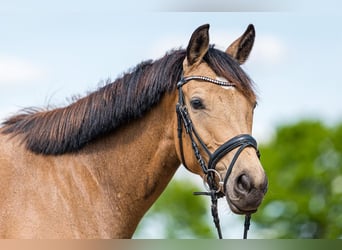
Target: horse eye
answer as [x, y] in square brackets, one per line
[197, 103]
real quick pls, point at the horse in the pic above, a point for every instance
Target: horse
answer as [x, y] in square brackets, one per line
[92, 168]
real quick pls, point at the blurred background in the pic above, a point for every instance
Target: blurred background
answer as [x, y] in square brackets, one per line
[50, 52]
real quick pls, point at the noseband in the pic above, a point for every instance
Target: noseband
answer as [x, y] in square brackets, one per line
[240, 141]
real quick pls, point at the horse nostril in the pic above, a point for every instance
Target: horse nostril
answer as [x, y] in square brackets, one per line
[243, 183]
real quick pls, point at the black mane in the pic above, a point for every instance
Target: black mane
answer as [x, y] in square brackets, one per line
[128, 98]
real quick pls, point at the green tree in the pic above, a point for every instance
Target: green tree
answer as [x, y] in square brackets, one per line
[304, 166]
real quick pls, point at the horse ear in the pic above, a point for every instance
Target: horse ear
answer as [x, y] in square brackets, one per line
[198, 45]
[241, 47]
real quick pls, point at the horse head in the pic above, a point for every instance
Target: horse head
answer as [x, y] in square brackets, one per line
[215, 116]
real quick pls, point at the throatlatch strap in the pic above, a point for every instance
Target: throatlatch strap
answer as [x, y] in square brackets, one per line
[246, 225]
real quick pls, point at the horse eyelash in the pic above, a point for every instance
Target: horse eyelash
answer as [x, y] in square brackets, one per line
[255, 105]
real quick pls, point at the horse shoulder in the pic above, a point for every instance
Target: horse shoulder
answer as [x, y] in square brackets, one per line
[51, 196]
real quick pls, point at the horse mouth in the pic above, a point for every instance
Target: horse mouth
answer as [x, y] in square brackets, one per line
[245, 204]
[239, 210]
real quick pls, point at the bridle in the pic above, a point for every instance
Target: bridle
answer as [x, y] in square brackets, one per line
[240, 141]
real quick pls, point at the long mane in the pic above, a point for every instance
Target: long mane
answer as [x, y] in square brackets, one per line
[128, 98]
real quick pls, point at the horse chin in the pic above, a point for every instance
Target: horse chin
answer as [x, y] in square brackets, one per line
[237, 208]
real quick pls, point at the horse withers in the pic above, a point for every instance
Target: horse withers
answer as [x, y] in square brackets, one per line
[93, 168]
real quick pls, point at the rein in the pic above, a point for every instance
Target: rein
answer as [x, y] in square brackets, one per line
[240, 141]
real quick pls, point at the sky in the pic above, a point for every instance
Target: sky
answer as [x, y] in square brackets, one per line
[49, 53]
[52, 51]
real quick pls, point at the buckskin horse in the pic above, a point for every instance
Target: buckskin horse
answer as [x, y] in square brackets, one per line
[93, 168]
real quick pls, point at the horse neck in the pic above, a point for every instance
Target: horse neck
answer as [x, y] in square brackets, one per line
[137, 161]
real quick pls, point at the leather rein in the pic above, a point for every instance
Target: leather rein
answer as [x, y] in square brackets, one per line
[240, 141]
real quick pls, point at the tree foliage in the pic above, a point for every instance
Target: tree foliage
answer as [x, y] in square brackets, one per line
[304, 166]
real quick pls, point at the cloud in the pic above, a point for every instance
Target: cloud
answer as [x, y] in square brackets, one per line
[17, 71]
[269, 50]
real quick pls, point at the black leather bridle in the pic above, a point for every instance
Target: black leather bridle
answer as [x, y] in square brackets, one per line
[240, 141]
